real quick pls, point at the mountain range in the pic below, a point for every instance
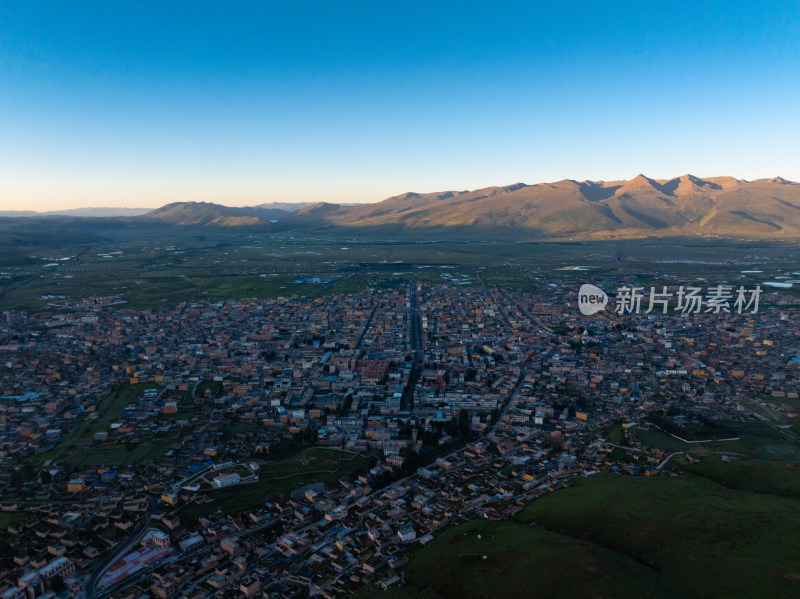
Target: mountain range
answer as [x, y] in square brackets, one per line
[564, 210]
[640, 207]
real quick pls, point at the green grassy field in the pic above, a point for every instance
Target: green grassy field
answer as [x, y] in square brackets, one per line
[660, 440]
[280, 478]
[616, 436]
[113, 455]
[617, 536]
[482, 560]
[9, 518]
[704, 539]
[213, 387]
[111, 407]
[231, 429]
[108, 410]
[757, 476]
[756, 439]
[768, 461]
[783, 401]
[774, 412]
[153, 268]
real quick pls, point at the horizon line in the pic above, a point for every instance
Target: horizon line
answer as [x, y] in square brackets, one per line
[57, 211]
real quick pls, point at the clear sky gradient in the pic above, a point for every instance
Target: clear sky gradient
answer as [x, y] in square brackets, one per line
[135, 103]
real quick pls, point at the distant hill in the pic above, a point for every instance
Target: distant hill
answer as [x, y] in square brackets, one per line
[17, 213]
[209, 214]
[89, 212]
[101, 212]
[310, 217]
[285, 206]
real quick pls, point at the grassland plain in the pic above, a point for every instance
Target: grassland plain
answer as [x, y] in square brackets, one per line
[150, 269]
[617, 536]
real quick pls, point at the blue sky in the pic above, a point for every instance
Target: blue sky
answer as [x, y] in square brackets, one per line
[142, 103]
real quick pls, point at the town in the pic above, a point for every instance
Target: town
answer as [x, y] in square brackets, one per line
[294, 446]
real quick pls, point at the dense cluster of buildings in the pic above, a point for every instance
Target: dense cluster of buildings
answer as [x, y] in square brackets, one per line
[119, 426]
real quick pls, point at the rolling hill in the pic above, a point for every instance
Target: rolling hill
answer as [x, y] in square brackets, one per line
[616, 536]
[285, 206]
[209, 214]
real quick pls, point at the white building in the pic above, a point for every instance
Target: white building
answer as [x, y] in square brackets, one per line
[191, 542]
[226, 480]
[406, 534]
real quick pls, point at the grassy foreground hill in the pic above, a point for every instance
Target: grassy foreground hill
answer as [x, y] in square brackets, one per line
[744, 474]
[485, 559]
[616, 536]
